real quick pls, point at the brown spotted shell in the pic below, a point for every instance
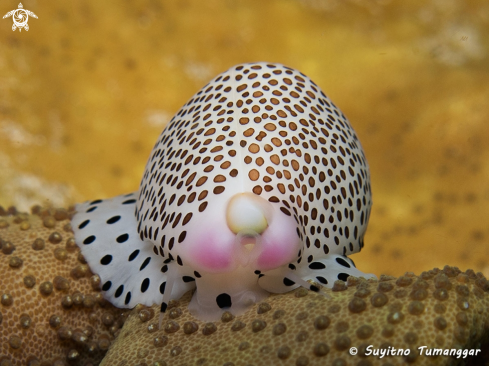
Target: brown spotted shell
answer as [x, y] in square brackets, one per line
[267, 129]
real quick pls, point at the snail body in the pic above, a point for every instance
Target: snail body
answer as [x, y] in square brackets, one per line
[256, 185]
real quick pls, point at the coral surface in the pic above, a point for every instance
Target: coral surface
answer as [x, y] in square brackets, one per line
[440, 309]
[51, 312]
[51, 309]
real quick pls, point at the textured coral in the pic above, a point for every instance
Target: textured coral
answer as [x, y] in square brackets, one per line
[441, 309]
[51, 311]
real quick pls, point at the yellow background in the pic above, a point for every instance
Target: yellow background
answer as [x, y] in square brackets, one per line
[87, 90]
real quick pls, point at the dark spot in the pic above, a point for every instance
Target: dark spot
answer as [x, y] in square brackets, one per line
[343, 276]
[89, 240]
[107, 285]
[257, 272]
[179, 261]
[164, 268]
[187, 279]
[128, 202]
[288, 282]
[83, 224]
[197, 274]
[317, 265]
[145, 285]
[162, 288]
[291, 266]
[133, 255]
[95, 202]
[119, 291]
[92, 209]
[113, 220]
[128, 298]
[322, 280]
[163, 307]
[342, 262]
[122, 238]
[223, 301]
[106, 259]
[145, 263]
[314, 288]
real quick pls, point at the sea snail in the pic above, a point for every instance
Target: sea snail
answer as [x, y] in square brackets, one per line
[255, 186]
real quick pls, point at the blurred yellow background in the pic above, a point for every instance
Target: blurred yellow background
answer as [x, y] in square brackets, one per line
[86, 91]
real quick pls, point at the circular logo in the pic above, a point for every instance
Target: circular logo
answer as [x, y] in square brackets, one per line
[20, 18]
[353, 351]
